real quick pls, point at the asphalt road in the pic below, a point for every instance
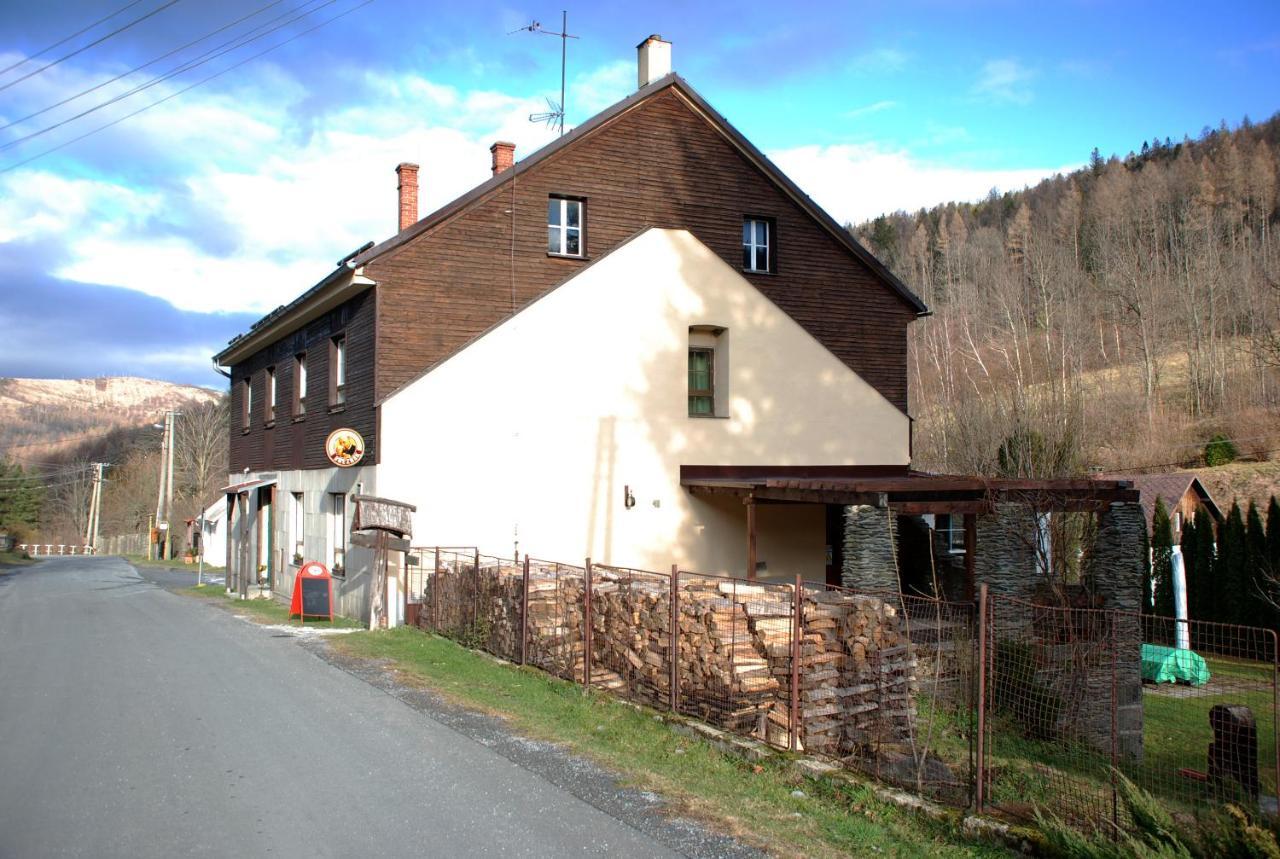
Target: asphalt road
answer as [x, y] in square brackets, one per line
[136, 722]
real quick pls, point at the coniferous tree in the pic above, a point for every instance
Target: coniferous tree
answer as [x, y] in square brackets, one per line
[1188, 543]
[1147, 588]
[1230, 572]
[21, 498]
[1257, 589]
[1162, 560]
[1205, 560]
[1273, 538]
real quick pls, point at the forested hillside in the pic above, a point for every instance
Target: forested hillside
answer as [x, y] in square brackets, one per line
[1115, 318]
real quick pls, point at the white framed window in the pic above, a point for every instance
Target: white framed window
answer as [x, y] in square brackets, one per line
[271, 394]
[757, 244]
[337, 533]
[338, 370]
[298, 527]
[300, 383]
[1177, 521]
[708, 381]
[564, 227]
[246, 411]
[951, 529]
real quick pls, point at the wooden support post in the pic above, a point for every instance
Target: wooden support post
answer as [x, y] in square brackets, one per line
[586, 624]
[750, 501]
[673, 649]
[435, 594]
[982, 699]
[475, 591]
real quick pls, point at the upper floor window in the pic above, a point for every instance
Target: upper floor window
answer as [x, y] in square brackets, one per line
[271, 394]
[338, 370]
[246, 402]
[757, 244]
[702, 394]
[564, 226]
[300, 384]
[708, 371]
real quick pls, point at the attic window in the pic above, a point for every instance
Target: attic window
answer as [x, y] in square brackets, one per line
[757, 244]
[565, 223]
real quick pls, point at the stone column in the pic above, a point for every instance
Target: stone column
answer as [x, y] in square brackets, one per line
[1116, 568]
[869, 549]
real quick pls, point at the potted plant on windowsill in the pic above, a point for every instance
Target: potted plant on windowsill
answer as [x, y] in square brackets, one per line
[189, 557]
[297, 559]
[264, 582]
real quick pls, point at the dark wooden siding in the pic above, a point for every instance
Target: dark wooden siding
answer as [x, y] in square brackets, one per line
[660, 164]
[290, 443]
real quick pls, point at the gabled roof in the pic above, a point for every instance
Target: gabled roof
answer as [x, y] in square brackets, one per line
[1170, 486]
[735, 137]
[288, 316]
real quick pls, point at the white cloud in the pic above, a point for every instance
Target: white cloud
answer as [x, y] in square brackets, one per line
[876, 107]
[856, 182]
[1006, 81]
[289, 199]
[593, 91]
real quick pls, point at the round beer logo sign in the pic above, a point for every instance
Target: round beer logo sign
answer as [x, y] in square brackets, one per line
[344, 447]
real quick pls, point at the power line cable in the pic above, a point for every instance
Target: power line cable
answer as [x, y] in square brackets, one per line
[186, 66]
[151, 62]
[188, 88]
[79, 32]
[84, 48]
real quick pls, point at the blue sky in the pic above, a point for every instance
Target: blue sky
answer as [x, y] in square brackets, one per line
[143, 248]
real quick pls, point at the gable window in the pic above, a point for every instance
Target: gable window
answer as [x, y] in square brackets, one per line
[246, 402]
[338, 370]
[564, 227]
[271, 395]
[300, 384]
[337, 533]
[757, 244]
[951, 529]
[702, 395]
[708, 371]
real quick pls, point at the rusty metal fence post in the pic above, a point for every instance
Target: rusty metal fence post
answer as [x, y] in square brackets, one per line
[586, 626]
[435, 594]
[797, 633]
[980, 786]
[524, 615]
[673, 650]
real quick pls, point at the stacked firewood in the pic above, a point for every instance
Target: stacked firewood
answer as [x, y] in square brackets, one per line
[856, 673]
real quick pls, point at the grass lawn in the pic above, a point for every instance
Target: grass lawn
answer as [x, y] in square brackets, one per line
[1072, 779]
[171, 563]
[751, 801]
[14, 559]
[264, 610]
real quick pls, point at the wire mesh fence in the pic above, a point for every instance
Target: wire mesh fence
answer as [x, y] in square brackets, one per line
[1010, 705]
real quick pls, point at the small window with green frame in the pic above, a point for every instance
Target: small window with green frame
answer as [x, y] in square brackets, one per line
[702, 396]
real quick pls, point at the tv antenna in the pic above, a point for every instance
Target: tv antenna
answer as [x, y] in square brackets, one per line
[554, 117]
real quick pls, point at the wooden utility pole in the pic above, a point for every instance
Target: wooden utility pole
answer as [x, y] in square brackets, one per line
[93, 505]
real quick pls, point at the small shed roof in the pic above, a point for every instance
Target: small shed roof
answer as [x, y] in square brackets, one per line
[1170, 486]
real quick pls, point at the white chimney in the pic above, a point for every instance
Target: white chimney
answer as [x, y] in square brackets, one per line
[654, 60]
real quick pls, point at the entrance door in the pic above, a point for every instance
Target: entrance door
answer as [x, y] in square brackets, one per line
[835, 544]
[266, 536]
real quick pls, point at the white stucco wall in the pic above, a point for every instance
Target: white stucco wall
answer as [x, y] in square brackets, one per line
[532, 432]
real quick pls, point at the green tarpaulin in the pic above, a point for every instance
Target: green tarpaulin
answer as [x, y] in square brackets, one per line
[1162, 664]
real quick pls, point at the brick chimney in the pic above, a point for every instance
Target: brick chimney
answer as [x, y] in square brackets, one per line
[653, 60]
[408, 190]
[504, 156]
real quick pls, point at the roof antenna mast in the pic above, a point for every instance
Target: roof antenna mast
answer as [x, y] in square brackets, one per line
[554, 118]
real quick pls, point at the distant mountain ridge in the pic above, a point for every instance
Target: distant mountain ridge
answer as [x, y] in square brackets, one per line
[57, 417]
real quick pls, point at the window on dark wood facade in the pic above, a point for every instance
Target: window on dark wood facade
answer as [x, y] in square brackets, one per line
[338, 370]
[271, 395]
[246, 402]
[298, 527]
[757, 244]
[702, 397]
[565, 223]
[300, 384]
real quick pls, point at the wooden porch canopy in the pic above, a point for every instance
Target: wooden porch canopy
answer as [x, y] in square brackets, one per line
[902, 490]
